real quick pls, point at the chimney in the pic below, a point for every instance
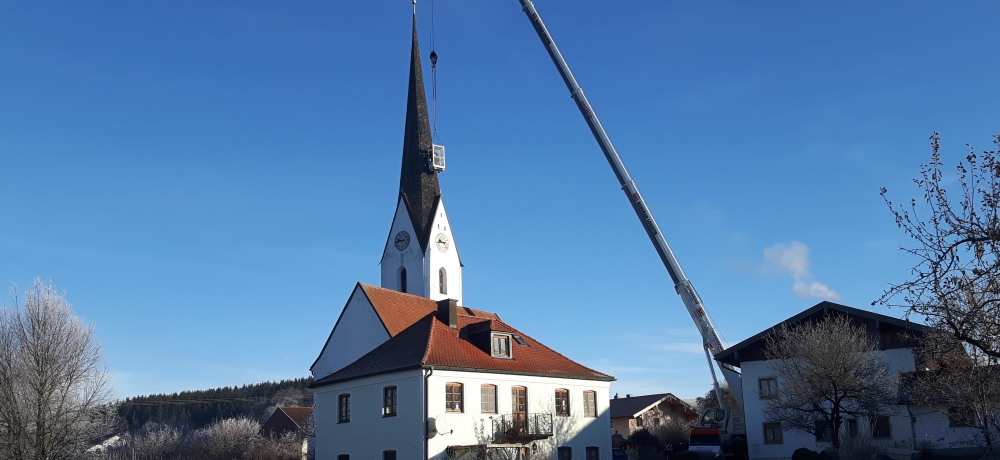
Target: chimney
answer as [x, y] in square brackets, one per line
[616, 395]
[628, 395]
[448, 312]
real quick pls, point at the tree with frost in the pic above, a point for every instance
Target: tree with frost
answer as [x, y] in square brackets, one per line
[54, 388]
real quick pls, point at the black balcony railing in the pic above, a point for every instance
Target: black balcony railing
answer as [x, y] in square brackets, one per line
[521, 427]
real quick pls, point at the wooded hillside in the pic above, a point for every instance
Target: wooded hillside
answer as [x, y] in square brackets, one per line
[196, 409]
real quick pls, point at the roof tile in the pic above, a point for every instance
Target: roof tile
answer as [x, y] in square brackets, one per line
[428, 342]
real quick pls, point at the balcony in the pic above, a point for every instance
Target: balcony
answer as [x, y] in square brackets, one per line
[521, 428]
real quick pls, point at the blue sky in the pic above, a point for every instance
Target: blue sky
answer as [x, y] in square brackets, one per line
[208, 180]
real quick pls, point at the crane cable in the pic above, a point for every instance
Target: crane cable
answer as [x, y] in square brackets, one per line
[434, 90]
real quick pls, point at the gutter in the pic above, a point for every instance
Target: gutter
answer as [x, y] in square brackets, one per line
[430, 372]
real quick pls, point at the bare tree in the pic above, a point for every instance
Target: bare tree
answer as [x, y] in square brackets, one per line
[54, 388]
[955, 282]
[826, 370]
[963, 387]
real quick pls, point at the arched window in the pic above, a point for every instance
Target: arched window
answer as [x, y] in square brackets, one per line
[402, 279]
[442, 281]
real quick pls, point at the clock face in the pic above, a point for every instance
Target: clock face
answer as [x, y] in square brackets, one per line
[441, 240]
[402, 240]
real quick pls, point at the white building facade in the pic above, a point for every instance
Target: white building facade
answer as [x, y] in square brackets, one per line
[902, 428]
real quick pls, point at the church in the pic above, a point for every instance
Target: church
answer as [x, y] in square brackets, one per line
[399, 375]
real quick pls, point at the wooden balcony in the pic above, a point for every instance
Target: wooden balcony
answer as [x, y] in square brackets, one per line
[521, 428]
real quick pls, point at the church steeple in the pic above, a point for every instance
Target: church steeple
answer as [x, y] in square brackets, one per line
[421, 256]
[418, 181]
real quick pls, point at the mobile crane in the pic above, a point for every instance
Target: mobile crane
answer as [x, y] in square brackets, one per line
[727, 423]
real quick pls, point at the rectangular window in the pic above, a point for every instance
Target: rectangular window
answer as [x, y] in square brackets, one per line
[565, 453]
[344, 408]
[518, 400]
[593, 453]
[453, 397]
[590, 404]
[772, 433]
[343, 457]
[388, 455]
[881, 427]
[768, 388]
[488, 399]
[389, 402]
[501, 346]
[852, 427]
[823, 431]
[562, 403]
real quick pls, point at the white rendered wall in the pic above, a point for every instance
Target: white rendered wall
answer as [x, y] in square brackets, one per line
[899, 360]
[449, 260]
[358, 331]
[369, 433]
[411, 258]
[932, 427]
[575, 431]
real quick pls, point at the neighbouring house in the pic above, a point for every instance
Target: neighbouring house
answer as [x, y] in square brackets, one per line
[410, 372]
[902, 427]
[286, 419]
[633, 413]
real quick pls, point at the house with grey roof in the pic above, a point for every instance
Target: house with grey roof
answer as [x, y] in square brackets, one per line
[633, 413]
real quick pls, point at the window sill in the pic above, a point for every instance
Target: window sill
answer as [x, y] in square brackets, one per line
[389, 415]
[343, 421]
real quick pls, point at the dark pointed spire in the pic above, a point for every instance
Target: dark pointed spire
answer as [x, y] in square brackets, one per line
[418, 182]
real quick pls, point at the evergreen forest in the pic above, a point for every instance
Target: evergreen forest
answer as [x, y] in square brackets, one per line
[196, 409]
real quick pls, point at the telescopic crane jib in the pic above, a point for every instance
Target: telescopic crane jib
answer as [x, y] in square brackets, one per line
[682, 285]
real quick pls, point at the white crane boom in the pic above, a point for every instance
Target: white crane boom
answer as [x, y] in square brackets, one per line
[682, 285]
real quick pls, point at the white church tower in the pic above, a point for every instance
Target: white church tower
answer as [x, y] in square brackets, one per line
[420, 254]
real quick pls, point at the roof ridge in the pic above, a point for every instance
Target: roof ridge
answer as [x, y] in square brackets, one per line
[430, 339]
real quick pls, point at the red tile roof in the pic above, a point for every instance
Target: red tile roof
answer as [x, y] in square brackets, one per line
[429, 343]
[397, 310]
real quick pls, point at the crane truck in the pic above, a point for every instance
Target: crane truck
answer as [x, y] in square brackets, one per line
[721, 431]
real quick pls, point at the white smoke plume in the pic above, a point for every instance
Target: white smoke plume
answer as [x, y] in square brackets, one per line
[794, 260]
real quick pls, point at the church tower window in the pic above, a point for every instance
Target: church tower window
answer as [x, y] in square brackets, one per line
[442, 281]
[402, 279]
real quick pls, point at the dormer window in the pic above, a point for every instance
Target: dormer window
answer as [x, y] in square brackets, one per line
[501, 346]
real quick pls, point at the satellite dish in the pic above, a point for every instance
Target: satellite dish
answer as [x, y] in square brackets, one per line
[431, 428]
[437, 425]
[441, 423]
